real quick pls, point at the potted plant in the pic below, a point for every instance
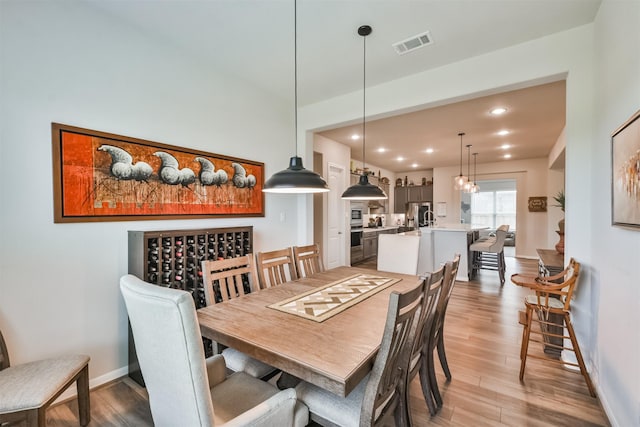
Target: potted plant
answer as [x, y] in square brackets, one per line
[559, 198]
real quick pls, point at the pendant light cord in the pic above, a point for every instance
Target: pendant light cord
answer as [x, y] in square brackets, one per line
[364, 97]
[295, 71]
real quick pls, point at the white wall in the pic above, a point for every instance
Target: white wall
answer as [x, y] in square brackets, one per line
[609, 255]
[614, 293]
[531, 180]
[68, 63]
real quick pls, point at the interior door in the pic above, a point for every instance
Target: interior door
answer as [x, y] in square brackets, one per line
[336, 218]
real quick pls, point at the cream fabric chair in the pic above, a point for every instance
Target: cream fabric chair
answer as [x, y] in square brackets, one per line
[27, 390]
[184, 389]
[489, 254]
[227, 279]
[398, 253]
[379, 399]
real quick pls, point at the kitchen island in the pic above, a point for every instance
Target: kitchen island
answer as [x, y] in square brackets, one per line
[439, 245]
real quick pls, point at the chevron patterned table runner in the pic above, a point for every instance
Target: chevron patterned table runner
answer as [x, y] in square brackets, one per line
[322, 303]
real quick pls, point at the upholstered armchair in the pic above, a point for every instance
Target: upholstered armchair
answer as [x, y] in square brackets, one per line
[183, 388]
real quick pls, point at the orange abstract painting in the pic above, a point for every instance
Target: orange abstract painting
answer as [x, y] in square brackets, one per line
[105, 177]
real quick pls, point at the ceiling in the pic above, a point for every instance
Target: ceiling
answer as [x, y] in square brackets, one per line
[253, 41]
[535, 118]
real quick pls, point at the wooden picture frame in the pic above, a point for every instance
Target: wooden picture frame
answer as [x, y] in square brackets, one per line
[625, 173]
[98, 176]
[537, 204]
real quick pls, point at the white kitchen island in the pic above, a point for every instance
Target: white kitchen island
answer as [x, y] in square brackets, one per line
[439, 245]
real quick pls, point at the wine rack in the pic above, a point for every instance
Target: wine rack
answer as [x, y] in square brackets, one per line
[173, 259]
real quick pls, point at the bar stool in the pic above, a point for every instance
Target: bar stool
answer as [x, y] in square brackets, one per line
[488, 254]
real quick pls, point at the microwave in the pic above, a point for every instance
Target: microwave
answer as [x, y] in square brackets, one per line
[357, 212]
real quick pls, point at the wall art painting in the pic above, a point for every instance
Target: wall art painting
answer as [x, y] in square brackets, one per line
[625, 169]
[99, 176]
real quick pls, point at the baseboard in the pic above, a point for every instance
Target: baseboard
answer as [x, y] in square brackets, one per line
[71, 392]
[611, 416]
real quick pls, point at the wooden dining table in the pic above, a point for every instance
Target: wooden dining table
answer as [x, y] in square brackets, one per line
[335, 354]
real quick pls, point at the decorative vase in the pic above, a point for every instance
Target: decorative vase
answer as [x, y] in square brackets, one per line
[560, 244]
[561, 226]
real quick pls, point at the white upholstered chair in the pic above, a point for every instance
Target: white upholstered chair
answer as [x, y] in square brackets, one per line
[27, 390]
[398, 253]
[184, 389]
[379, 399]
[488, 254]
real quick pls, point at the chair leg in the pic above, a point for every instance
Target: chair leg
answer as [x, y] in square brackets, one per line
[501, 267]
[84, 403]
[526, 332]
[442, 355]
[576, 350]
[425, 383]
[435, 390]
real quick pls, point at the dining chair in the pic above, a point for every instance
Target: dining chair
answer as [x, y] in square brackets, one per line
[436, 340]
[420, 345]
[489, 254]
[28, 389]
[380, 397]
[398, 253]
[308, 259]
[185, 389]
[551, 298]
[276, 267]
[227, 279]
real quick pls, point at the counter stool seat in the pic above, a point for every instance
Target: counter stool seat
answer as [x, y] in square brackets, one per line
[488, 254]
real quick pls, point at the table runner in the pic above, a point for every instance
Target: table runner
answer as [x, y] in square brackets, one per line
[322, 303]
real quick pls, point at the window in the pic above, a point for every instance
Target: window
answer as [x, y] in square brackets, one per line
[494, 208]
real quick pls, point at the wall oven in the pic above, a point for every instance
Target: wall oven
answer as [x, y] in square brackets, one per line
[357, 212]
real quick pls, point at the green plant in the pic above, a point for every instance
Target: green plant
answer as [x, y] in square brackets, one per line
[560, 199]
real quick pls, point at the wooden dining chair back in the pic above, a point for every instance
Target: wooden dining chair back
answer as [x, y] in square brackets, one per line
[378, 400]
[228, 278]
[308, 259]
[420, 344]
[276, 267]
[550, 308]
[28, 389]
[436, 339]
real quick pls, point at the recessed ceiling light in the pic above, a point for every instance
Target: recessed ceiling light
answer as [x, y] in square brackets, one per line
[429, 150]
[400, 158]
[507, 156]
[498, 111]
[415, 165]
[381, 150]
[503, 132]
[355, 136]
[505, 146]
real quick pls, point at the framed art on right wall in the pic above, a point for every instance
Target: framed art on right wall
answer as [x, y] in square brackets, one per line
[625, 173]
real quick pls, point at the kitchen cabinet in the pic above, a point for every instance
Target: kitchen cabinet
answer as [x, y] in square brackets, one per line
[370, 243]
[411, 193]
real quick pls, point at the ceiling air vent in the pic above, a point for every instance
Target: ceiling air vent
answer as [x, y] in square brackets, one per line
[412, 43]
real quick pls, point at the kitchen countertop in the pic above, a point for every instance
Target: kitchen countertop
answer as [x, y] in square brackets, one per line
[372, 229]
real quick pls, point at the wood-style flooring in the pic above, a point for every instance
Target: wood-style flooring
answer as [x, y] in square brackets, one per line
[482, 340]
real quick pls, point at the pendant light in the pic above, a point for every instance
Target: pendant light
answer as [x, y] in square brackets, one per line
[460, 180]
[469, 183]
[364, 190]
[474, 188]
[295, 179]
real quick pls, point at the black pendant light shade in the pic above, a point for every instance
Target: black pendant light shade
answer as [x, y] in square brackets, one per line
[295, 179]
[364, 190]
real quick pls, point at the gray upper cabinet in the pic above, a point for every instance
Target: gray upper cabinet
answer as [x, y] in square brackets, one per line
[411, 193]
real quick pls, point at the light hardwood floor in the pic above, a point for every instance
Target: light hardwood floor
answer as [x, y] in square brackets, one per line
[482, 338]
